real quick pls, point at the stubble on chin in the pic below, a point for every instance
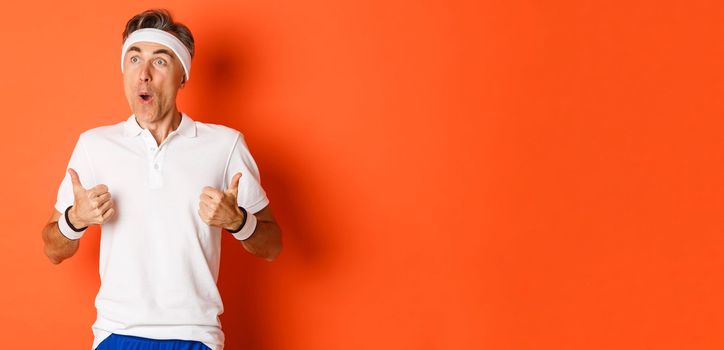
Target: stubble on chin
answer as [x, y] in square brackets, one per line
[145, 113]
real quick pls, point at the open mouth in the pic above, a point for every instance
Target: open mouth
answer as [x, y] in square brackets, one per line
[145, 97]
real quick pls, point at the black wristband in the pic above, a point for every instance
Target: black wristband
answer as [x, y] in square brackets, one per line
[71, 225]
[243, 221]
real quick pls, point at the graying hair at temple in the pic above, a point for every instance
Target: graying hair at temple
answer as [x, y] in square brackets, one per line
[160, 19]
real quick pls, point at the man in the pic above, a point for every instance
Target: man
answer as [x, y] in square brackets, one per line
[162, 187]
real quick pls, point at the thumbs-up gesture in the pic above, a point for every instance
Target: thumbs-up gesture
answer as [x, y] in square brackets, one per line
[218, 208]
[90, 206]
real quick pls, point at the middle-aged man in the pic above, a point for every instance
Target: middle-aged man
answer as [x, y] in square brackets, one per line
[162, 187]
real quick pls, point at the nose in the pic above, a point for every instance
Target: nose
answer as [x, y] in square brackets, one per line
[145, 73]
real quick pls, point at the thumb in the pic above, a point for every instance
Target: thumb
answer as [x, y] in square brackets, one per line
[234, 185]
[75, 180]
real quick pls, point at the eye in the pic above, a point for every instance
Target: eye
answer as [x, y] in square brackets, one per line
[160, 61]
[134, 59]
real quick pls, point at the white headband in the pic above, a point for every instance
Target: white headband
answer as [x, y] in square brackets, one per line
[158, 36]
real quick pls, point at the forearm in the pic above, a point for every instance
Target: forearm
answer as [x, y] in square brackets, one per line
[220, 209]
[266, 240]
[57, 246]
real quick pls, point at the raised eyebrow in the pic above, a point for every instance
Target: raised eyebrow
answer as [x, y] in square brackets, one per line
[163, 51]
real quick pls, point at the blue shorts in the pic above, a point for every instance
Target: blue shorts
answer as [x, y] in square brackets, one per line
[128, 342]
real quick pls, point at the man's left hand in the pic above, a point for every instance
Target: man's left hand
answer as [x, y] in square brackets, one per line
[220, 209]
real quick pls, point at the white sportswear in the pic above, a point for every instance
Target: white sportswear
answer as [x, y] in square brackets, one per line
[159, 262]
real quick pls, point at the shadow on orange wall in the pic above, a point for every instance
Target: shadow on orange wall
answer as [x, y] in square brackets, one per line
[220, 92]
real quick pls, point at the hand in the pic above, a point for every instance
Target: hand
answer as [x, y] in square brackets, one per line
[220, 209]
[93, 206]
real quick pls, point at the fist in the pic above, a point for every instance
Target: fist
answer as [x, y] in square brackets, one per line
[90, 206]
[218, 208]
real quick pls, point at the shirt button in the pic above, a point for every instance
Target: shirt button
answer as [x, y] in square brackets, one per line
[155, 166]
[150, 149]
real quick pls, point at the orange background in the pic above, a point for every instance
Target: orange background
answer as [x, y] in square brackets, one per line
[447, 174]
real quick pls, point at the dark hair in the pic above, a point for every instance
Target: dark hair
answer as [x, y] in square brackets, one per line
[160, 19]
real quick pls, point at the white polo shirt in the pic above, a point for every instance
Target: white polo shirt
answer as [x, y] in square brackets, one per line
[159, 262]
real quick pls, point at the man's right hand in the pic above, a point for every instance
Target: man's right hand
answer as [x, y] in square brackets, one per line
[90, 206]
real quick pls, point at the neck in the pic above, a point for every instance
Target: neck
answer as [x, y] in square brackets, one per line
[162, 127]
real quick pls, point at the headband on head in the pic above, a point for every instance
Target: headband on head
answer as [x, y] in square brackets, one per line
[158, 36]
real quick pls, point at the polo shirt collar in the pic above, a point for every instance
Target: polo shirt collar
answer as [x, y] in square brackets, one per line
[187, 127]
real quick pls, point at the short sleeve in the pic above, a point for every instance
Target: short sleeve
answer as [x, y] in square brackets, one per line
[80, 163]
[251, 196]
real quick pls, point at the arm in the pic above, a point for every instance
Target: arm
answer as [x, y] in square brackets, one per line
[221, 209]
[57, 247]
[90, 207]
[266, 241]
